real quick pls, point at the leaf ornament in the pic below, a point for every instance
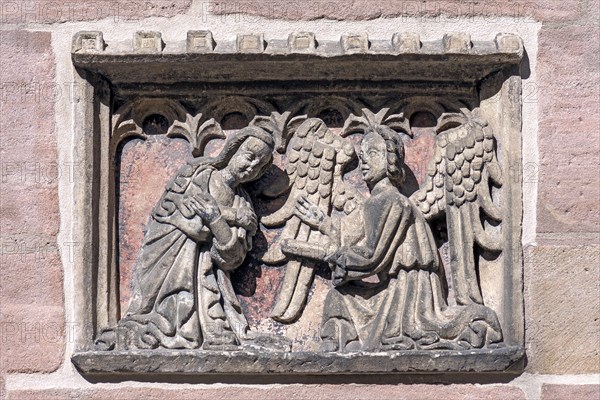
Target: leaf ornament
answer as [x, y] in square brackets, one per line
[369, 121]
[196, 133]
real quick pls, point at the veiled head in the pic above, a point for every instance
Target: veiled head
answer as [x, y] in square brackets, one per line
[251, 160]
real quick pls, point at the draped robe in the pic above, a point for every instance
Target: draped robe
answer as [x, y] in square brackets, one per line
[183, 296]
[407, 308]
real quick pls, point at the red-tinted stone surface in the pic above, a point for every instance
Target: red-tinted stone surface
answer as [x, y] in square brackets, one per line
[31, 291]
[561, 309]
[32, 337]
[562, 392]
[568, 98]
[295, 392]
[146, 167]
[419, 151]
[47, 11]
[448, 10]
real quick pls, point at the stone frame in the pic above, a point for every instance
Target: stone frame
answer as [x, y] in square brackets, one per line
[451, 65]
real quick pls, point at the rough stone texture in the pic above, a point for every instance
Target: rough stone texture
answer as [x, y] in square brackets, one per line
[569, 98]
[566, 41]
[32, 338]
[47, 12]
[561, 300]
[314, 392]
[579, 392]
[146, 167]
[31, 293]
[449, 10]
[436, 60]
[31, 272]
[257, 362]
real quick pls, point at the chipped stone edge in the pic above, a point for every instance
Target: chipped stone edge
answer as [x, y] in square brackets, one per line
[198, 362]
[349, 43]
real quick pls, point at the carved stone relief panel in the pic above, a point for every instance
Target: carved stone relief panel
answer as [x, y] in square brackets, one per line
[298, 206]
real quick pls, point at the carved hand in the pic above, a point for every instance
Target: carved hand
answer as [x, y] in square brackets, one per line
[204, 205]
[246, 219]
[338, 276]
[242, 217]
[309, 213]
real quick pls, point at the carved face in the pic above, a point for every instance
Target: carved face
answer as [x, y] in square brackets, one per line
[248, 162]
[373, 158]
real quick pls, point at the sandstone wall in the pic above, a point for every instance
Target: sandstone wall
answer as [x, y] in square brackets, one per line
[561, 140]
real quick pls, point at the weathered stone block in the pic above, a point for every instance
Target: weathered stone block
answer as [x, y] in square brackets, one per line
[457, 42]
[251, 43]
[569, 97]
[406, 42]
[200, 42]
[315, 392]
[88, 42]
[355, 42]
[148, 42]
[561, 309]
[302, 42]
[32, 337]
[48, 12]
[509, 42]
[227, 303]
[448, 10]
[31, 295]
[30, 210]
[579, 392]
[31, 270]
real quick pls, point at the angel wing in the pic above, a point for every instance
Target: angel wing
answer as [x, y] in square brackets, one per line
[458, 186]
[316, 158]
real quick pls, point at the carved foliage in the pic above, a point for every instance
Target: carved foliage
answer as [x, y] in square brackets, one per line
[196, 133]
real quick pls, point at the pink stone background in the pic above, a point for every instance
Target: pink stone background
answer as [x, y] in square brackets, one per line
[146, 167]
[31, 270]
[561, 268]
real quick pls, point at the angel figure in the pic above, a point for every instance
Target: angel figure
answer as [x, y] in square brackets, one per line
[200, 231]
[316, 160]
[389, 287]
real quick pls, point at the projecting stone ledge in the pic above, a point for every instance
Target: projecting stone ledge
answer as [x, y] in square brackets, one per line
[196, 362]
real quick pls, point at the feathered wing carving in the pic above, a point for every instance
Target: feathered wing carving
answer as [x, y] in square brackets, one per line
[458, 186]
[316, 159]
[281, 126]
